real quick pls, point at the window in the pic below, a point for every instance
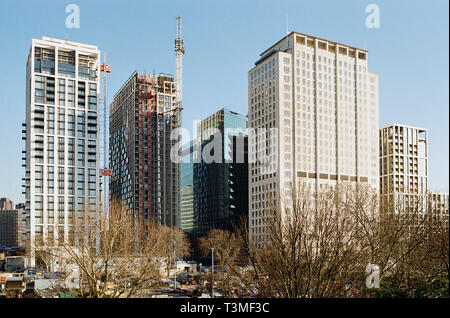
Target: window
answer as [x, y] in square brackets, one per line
[66, 63]
[44, 60]
[81, 123]
[39, 83]
[50, 92]
[62, 92]
[39, 179]
[92, 99]
[71, 94]
[81, 95]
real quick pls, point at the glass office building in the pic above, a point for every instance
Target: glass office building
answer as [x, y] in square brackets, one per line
[187, 189]
[220, 186]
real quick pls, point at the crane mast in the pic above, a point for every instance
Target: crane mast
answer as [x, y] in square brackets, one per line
[179, 51]
[105, 172]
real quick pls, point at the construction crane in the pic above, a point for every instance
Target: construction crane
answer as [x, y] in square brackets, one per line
[105, 171]
[179, 52]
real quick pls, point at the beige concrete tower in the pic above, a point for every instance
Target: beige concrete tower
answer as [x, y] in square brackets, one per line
[322, 101]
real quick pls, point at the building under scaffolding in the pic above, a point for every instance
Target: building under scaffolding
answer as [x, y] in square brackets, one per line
[142, 116]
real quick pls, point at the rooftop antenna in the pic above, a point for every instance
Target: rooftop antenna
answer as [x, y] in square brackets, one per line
[287, 32]
[287, 24]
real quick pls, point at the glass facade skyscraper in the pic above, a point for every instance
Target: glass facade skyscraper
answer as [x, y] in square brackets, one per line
[187, 189]
[220, 186]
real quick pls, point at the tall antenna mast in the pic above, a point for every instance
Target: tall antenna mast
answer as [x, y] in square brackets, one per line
[287, 32]
[287, 24]
[179, 51]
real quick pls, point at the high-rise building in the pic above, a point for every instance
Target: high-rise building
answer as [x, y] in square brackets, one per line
[6, 204]
[321, 102]
[62, 141]
[403, 164]
[144, 177]
[220, 174]
[187, 188]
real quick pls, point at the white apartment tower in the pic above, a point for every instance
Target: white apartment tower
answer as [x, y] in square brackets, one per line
[403, 162]
[323, 103]
[62, 137]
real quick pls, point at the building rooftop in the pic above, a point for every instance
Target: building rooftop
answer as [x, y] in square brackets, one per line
[311, 37]
[67, 42]
[401, 125]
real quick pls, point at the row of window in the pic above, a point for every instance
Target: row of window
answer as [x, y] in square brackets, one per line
[45, 93]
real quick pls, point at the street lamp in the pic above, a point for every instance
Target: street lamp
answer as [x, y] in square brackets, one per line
[174, 271]
[174, 268]
[212, 272]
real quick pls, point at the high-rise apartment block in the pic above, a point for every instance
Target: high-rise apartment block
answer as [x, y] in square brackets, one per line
[144, 178]
[61, 134]
[403, 163]
[322, 102]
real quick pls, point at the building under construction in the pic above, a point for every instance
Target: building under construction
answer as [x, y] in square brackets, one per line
[142, 116]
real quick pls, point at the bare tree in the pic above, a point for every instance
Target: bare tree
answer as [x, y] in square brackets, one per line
[319, 243]
[391, 233]
[171, 244]
[45, 256]
[227, 252]
[312, 245]
[110, 255]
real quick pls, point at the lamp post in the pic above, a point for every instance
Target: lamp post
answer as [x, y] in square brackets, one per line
[174, 269]
[212, 272]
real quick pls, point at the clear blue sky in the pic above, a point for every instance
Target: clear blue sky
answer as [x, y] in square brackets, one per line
[223, 39]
